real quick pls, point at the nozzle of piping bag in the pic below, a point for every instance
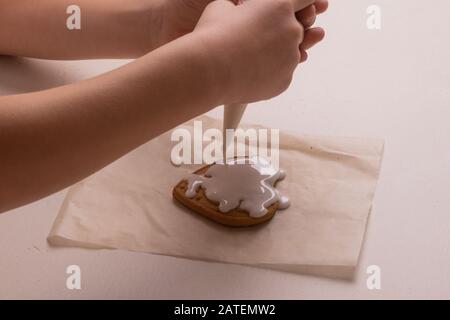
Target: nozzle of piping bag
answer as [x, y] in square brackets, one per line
[232, 115]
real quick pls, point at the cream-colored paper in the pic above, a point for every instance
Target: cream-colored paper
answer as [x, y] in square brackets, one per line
[331, 182]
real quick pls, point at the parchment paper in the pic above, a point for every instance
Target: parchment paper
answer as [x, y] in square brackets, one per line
[331, 182]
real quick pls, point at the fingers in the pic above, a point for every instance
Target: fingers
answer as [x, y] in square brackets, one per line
[301, 4]
[321, 6]
[312, 37]
[307, 16]
[303, 55]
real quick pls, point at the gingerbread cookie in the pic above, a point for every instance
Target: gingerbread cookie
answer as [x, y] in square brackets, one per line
[239, 193]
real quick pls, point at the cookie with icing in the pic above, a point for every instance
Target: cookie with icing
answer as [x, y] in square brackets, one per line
[237, 194]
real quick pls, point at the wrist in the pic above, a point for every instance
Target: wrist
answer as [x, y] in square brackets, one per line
[154, 15]
[214, 71]
[217, 65]
[142, 21]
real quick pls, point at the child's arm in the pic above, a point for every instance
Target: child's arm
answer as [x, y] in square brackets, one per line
[109, 28]
[54, 138]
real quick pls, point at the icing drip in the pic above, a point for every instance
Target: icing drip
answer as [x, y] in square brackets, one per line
[247, 184]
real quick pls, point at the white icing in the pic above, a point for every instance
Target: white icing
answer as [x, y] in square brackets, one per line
[247, 184]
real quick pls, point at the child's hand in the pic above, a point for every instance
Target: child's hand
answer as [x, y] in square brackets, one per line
[179, 17]
[256, 45]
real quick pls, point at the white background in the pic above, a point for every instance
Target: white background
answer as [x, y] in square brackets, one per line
[392, 84]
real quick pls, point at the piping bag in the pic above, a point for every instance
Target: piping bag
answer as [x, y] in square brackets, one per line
[232, 115]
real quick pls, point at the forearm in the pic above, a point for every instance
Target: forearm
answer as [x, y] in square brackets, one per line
[52, 139]
[109, 28]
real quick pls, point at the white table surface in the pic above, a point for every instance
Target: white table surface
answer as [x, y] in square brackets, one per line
[392, 84]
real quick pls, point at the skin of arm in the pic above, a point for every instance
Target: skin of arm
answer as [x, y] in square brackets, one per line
[52, 138]
[109, 28]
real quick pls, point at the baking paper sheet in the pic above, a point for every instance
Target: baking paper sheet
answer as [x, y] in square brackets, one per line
[331, 182]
